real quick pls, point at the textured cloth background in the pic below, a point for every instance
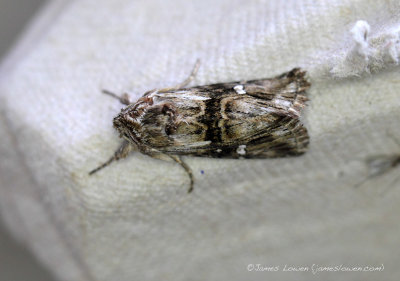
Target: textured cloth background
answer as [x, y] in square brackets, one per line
[134, 220]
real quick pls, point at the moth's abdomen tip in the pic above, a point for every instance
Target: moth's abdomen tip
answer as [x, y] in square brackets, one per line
[297, 73]
[300, 76]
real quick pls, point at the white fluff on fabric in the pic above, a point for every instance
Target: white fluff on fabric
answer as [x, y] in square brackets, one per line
[368, 54]
[134, 220]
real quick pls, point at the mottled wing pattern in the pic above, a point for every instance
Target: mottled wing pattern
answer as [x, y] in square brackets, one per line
[251, 119]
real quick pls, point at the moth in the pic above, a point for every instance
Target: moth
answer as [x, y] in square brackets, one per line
[246, 119]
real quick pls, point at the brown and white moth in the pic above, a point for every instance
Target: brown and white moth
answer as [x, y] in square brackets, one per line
[247, 119]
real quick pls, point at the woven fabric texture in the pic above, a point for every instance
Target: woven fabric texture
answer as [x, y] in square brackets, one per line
[134, 220]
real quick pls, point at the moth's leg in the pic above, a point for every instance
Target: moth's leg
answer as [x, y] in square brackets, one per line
[187, 80]
[178, 160]
[191, 76]
[166, 157]
[121, 152]
[124, 99]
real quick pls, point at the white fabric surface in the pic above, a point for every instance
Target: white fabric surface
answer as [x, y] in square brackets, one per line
[134, 219]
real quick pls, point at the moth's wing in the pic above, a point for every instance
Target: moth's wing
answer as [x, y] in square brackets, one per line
[288, 138]
[287, 91]
[267, 136]
[287, 84]
[214, 120]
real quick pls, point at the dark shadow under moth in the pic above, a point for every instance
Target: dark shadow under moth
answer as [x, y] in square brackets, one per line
[249, 119]
[379, 165]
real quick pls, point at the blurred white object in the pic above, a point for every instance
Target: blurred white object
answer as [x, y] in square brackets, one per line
[368, 54]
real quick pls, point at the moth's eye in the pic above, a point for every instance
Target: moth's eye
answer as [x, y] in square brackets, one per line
[170, 129]
[167, 110]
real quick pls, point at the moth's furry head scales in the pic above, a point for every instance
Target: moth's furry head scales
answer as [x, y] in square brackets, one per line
[129, 121]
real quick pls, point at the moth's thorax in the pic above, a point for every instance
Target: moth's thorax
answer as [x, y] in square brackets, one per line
[148, 121]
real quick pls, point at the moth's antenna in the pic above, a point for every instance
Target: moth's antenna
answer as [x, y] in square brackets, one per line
[124, 99]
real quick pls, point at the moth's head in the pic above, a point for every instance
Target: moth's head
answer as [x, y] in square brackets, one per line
[129, 121]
